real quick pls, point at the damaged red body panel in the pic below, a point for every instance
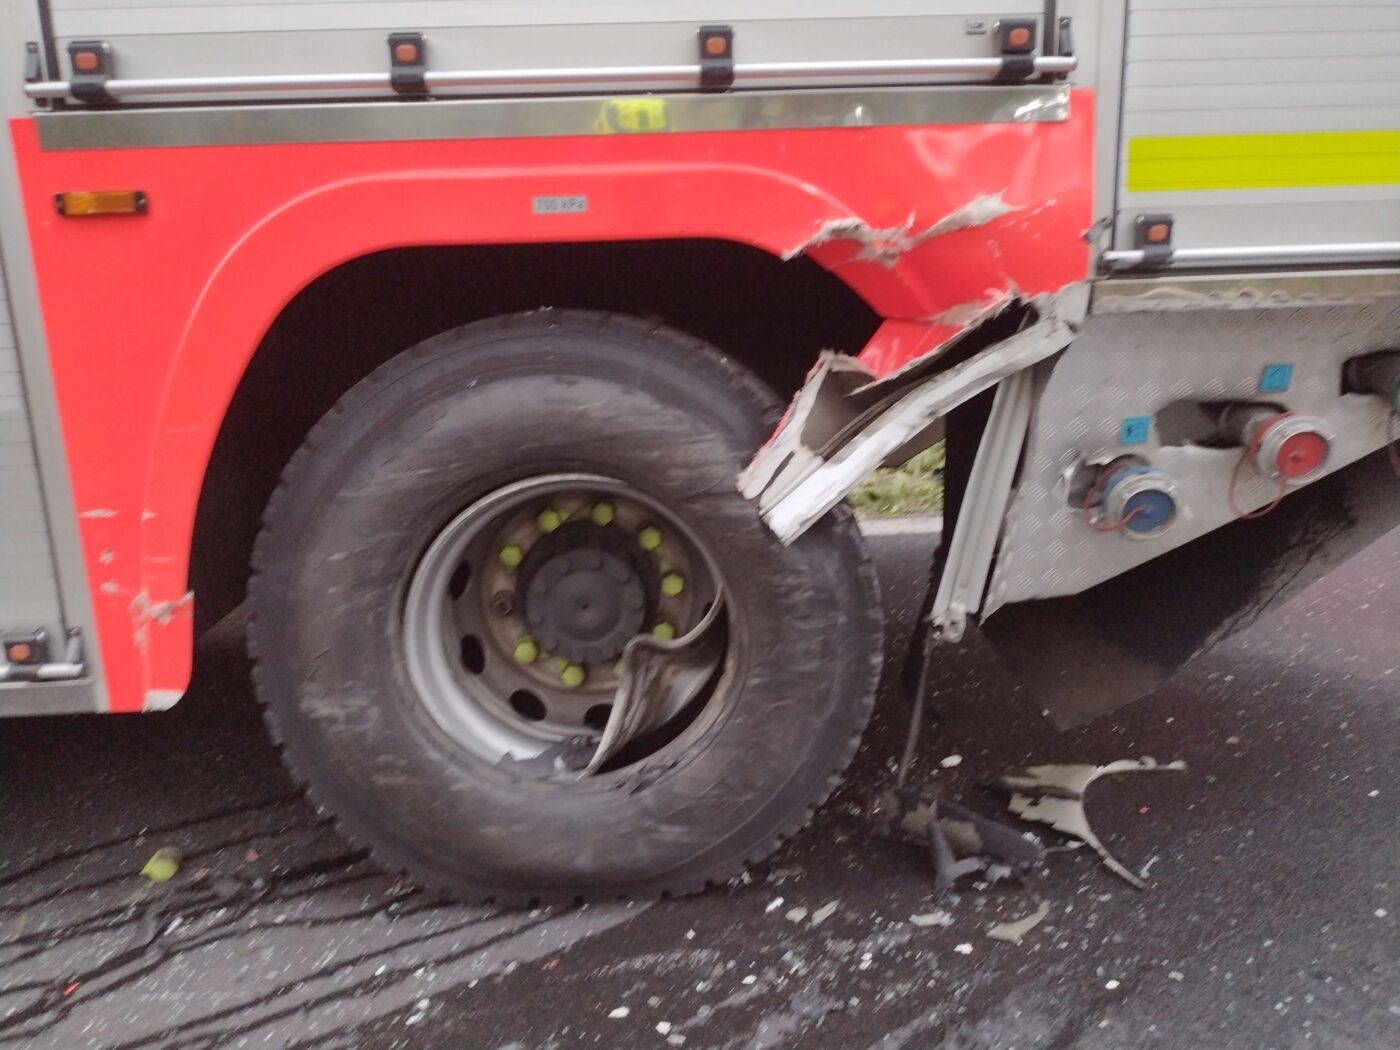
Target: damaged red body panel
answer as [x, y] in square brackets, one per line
[925, 223]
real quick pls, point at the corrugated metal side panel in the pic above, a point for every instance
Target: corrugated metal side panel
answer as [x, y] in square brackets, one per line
[28, 590]
[183, 38]
[1255, 67]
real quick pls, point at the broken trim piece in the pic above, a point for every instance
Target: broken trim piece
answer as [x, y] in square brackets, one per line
[1056, 797]
[886, 246]
[797, 480]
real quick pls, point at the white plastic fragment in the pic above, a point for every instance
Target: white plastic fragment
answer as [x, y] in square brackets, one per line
[963, 949]
[1176, 975]
[950, 761]
[749, 979]
[664, 1027]
[796, 914]
[825, 912]
[1057, 798]
[932, 918]
[619, 1012]
[1013, 932]
[773, 905]
[1110, 984]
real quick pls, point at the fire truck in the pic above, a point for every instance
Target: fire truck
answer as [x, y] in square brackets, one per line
[510, 364]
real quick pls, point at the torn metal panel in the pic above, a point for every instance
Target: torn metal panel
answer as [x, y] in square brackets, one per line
[796, 482]
[1054, 795]
[886, 246]
[659, 678]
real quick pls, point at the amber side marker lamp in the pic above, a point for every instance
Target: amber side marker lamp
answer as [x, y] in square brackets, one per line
[82, 203]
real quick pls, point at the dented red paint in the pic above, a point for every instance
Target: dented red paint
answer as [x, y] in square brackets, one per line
[151, 320]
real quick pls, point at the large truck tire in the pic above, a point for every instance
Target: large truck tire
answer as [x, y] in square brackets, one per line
[448, 573]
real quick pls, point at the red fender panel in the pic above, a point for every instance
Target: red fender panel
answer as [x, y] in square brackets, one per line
[152, 319]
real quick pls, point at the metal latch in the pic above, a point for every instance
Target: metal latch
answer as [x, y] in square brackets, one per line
[27, 656]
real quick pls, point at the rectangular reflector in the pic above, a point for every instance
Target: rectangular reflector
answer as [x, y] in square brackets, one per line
[78, 203]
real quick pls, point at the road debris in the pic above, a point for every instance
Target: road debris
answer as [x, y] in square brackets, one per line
[163, 865]
[932, 918]
[1054, 795]
[825, 912]
[1013, 932]
[963, 949]
[619, 1012]
[796, 914]
[961, 842]
[1110, 984]
[951, 761]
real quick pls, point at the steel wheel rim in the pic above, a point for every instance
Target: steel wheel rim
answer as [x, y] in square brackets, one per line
[473, 707]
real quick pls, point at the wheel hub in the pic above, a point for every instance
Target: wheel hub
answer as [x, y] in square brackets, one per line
[585, 594]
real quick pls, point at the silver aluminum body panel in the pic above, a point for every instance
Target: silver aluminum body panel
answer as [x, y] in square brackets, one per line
[525, 118]
[43, 575]
[180, 39]
[1133, 362]
[1203, 67]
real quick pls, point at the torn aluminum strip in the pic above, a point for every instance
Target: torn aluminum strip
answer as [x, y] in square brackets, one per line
[963, 581]
[659, 678]
[1014, 932]
[1054, 795]
[796, 479]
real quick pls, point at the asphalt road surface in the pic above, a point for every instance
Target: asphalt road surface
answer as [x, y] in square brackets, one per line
[1272, 919]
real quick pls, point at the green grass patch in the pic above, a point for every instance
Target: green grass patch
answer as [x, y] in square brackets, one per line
[915, 488]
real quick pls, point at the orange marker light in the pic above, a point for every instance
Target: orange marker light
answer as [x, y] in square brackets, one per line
[1018, 38]
[86, 61]
[1158, 233]
[406, 53]
[82, 203]
[716, 46]
[20, 652]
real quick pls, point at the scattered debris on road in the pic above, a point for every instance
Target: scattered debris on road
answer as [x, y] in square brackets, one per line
[1013, 932]
[163, 865]
[1054, 795]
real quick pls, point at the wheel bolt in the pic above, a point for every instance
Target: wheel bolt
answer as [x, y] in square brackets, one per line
[664, 631]
[511, 556]
[672, 584]
[650, 538]
[603, 513]
[550, 519]
[503, 602]
[617, 669]
[526, 651]
[572, 676]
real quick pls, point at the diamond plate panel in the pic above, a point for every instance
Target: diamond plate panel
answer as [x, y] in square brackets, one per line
[1127, 365]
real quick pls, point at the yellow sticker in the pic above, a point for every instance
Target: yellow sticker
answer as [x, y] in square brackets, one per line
[1257, 162]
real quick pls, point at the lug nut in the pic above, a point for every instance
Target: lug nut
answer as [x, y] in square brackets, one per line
[664, 631]
[503, 603]
[511, 556]
[526, 651]
[672, 584]
[603, 513]
[550, 519]
[572, 676]
[617, 669]
[650, 538]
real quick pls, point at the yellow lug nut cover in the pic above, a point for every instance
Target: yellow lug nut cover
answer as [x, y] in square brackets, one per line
[511, 555]
[603, 513]
[551, 519]
[572, 676]
[650, 538]
[664, 631]
[526, 651]
[672, 584]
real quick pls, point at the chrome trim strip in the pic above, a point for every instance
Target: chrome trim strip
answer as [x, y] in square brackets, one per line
[546, 117]
[1254, 291]
[1262, 255]
[677, 76]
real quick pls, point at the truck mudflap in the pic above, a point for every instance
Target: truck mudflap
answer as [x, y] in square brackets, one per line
[1085, 654]
[844, 422]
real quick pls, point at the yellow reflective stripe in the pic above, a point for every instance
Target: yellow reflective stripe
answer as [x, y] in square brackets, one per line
[1243, 162]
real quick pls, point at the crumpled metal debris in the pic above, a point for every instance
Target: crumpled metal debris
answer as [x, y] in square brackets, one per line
[961, 841]
[1013, 932]
[1054, 795]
